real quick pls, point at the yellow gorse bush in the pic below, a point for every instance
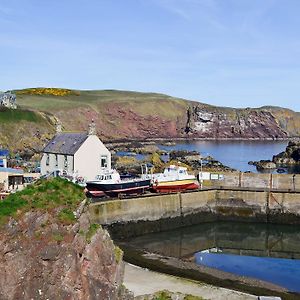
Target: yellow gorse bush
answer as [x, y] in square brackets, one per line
[47, 91]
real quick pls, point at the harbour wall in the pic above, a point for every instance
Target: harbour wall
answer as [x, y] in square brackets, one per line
[155, 213]
[252, 180]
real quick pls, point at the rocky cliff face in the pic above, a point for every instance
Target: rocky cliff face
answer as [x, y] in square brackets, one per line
[209, 122]
[42, 258]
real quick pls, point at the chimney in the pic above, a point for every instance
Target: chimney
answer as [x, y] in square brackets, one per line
[58, 127]
[92, 128]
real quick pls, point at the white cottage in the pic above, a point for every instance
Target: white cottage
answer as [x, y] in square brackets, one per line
[76, 154]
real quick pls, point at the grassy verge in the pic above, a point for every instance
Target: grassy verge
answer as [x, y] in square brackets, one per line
[17, 115]
[45, 195]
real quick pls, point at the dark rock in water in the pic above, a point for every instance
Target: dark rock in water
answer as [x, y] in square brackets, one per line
[184, 154]
[215, 165]
[196, 161]
[290, 156]
[264, 164]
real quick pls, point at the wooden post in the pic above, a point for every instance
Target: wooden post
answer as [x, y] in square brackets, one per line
[240, 179]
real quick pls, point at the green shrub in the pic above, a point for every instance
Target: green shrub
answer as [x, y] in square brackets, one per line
[118, 254]
[191, 297]
[58, 237]
[163, 295]
[66, 216]
[90, 233]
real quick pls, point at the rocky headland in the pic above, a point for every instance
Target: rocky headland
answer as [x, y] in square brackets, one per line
[49, 249]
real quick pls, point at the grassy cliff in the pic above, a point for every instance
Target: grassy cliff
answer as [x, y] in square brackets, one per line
[119, 115]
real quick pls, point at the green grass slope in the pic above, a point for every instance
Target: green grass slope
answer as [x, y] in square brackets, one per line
[45, 195]
[118, 114]
[24, 129]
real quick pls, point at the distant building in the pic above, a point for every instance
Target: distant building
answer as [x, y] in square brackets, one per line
[15, 179]
[76, 154]
[3, 158]
[8, 100]
[11, 179]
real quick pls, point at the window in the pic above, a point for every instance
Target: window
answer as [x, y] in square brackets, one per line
[103, 161]
[56, 160]
[66, 161]
[47, 159]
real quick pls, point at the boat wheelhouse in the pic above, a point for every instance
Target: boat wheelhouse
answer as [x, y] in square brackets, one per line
[173, 179]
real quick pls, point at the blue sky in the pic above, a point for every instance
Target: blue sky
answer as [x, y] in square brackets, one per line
[240, 53]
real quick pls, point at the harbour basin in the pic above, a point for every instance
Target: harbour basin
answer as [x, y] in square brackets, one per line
[265, 252]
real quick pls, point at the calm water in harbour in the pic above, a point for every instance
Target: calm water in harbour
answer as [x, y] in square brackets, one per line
[235, 154]
[267, 252]
[281, 271]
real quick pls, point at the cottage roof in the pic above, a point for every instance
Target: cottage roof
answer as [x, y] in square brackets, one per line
[65, 143]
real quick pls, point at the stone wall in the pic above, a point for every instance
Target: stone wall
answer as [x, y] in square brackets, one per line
[260, 181]
[162, 212]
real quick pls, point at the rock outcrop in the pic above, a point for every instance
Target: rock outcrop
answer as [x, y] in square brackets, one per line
[290, 156]
[263, 164]
[8, 100]
[209, 122]
[42, 257]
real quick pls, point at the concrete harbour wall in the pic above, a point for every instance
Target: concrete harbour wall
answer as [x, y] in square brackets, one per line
[161, 212]
[250, 180]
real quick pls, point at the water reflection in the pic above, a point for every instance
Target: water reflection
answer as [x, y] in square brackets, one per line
[265, 251]
[265, 240]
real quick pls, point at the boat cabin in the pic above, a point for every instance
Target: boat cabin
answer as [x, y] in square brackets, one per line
[175, 170]
[111, 176]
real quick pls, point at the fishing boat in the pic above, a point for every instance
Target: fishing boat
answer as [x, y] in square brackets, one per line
[111, 184]
[173, 179]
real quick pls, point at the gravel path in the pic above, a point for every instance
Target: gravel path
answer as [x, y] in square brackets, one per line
[143, 281]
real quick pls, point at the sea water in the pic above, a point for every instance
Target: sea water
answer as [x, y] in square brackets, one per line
[235, 154]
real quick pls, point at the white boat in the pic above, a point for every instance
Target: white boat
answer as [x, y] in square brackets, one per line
[173, 179]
